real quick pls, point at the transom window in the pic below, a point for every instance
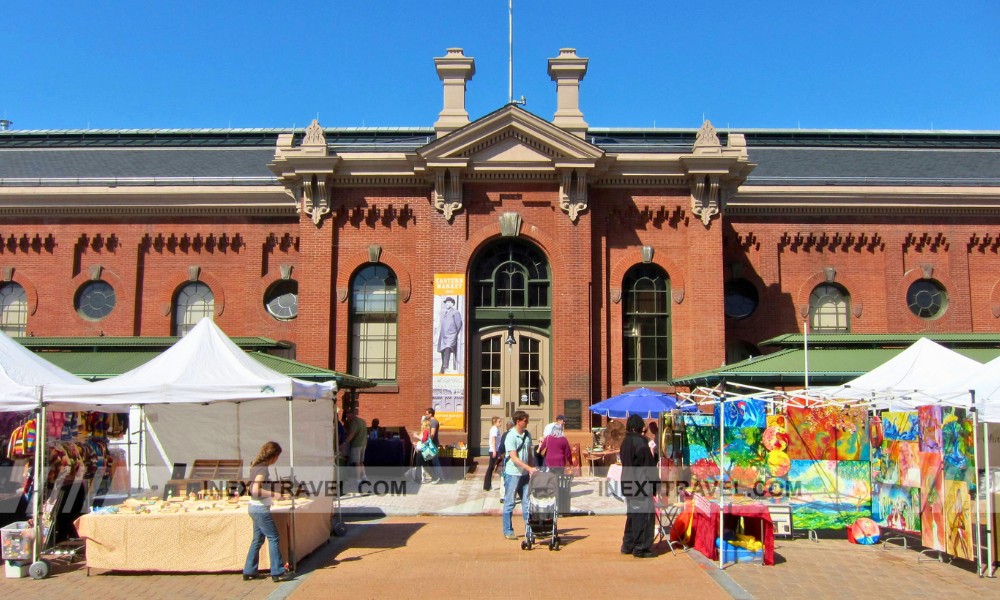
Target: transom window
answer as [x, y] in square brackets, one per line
[373, 317]
[194, 302]
[829, 309]
[13, 309]
[927, 298]
[646, 331]
[511, 274]
[95, 300]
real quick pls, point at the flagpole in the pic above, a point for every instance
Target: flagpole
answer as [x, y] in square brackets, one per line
[510, 51]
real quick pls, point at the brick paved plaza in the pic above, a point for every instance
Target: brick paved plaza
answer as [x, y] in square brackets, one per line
[447, 539]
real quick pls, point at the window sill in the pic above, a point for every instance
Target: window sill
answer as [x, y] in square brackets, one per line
[387, 388]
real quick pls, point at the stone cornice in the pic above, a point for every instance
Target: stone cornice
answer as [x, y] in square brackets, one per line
[883, 200]
[146, 201]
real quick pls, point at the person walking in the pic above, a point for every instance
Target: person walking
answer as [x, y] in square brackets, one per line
[556, 451]
[435, 461]
[494, 440]
[261, 495]
[638, 481]
[356, 441]
[517, 471]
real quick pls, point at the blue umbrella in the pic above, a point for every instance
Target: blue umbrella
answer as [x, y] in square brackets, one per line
[644, 402]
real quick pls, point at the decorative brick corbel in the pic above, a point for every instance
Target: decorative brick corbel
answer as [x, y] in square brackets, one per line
[448, 191]
[573, 192]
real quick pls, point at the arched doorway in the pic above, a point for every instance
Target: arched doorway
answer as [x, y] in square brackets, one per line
[509, 363]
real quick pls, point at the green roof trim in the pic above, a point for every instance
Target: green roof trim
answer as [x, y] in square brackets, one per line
[827, 366]
[95, 366]
[878, 340]
[110, 342]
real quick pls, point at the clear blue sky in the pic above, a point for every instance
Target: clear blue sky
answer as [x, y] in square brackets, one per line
[859, 64]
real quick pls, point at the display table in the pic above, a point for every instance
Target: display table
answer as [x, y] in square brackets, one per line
[599, 457]
[386, 453]
[206, 541]
[756, 522]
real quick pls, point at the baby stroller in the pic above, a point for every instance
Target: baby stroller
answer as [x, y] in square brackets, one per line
[543, 517]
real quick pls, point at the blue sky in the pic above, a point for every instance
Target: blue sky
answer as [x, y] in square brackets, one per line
[885, 64]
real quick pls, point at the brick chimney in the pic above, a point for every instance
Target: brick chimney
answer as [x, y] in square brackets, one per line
[567, 70]
[454, 69]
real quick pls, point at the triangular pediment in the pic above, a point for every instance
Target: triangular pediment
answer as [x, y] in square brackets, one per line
[510, 138]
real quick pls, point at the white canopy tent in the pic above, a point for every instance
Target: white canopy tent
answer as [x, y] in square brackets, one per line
[190, 381]
[22, 372]
[984, 383]
[890, 385]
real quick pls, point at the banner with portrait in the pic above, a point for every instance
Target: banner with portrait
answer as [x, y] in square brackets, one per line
[448, 381]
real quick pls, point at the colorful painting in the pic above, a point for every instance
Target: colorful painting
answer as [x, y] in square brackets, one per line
[699, 421]
[878, 463]
[810, 436]
[851, 426]
[957, 446]
[854, 489]
[703, 452]
[890, 461]
[896, 507]
[777, 421]
[958, 519]
[908, 463]
[827, 494]
[930, 428]
[743, 413]
[932, 527]
[902, 426]
[744, 458]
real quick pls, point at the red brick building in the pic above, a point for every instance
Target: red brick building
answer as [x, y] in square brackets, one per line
[581, 261]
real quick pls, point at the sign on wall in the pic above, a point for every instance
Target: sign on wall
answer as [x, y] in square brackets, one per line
[448, 381]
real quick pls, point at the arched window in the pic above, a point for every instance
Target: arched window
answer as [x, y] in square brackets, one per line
[646, 325]
[829, 309]
[373, 317]
[194, 302]
[511, 274]
[13, 309]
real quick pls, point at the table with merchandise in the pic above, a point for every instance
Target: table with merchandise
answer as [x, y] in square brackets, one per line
[198, 536]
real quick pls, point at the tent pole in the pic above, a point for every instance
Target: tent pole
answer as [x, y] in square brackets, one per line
[722, 463]
[291, 470]
[805, 350]
[975, 474]
[39, 485]
[989, 499]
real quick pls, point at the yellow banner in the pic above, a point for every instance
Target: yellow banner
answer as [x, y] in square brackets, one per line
[449, 284]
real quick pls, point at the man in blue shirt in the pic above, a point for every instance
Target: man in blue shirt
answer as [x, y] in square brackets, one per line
[517, 471]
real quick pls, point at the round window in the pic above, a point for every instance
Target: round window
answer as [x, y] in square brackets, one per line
[741, 299]
[95, 300]
[282, 300]
[927, 299]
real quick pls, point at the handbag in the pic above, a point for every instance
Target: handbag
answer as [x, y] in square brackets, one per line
[429, 450]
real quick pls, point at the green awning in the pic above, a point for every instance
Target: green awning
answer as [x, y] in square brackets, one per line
[95, 366]
[955, 341]
[827, 366]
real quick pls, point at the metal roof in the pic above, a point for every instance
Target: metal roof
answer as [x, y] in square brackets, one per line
[826, 366]
[955, 341]
[240, 156]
